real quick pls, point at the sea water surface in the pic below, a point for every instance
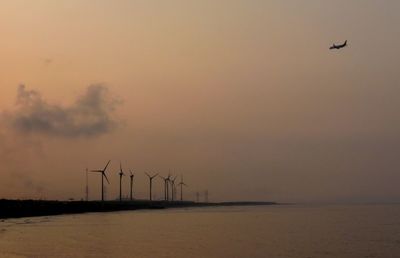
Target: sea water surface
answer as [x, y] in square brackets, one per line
[298, 231]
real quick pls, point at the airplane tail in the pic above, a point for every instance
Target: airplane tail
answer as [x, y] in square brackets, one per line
[345, 43]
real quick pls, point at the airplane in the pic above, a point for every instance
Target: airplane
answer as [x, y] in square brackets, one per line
[339, 46]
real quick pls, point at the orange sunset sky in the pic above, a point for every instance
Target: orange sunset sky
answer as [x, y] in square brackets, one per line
[243, 98]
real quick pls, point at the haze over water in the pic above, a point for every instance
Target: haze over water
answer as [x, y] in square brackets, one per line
[295, 231]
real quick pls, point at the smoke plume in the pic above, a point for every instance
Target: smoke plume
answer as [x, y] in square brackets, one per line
[90, 115]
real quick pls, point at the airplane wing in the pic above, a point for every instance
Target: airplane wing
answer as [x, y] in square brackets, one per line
[342, 45]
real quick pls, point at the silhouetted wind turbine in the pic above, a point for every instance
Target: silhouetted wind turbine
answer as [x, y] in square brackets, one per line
[173, 188]
[103, 175]
[151, 183]
[169, 180]
[121, 173]
[181, 184]
[166, 179]
[131, 176]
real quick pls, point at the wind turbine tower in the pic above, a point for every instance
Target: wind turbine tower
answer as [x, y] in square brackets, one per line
[181, 184]
[166, 180]
[121, 173]
[151, 184]
[131, 176]
[103, 175]
[173, 188]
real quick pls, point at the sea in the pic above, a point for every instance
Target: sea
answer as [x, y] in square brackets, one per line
[282, 231]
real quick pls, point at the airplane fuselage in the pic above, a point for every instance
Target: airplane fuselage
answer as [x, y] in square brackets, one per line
[339, 46]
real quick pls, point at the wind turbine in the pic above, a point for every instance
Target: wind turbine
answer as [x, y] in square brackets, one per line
[121, 173]
[103, 175]
[151, 183]
[181, 184]
[173, 188]
[169, 179]
[166, 179]
[131, 176]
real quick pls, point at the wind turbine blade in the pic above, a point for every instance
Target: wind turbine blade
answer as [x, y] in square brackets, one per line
[104, 174]
[147, 174]
[106, 165]
[96, 170]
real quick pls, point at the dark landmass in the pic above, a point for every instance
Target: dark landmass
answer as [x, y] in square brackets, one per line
[30, 208]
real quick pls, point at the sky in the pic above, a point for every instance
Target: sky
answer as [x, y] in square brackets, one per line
[242, 98]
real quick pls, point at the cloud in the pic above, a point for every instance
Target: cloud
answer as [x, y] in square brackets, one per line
[90, 115]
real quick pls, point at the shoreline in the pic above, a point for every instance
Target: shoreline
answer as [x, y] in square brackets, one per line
[33, 208]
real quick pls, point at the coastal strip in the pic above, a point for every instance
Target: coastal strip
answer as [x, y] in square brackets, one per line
[31, 208]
